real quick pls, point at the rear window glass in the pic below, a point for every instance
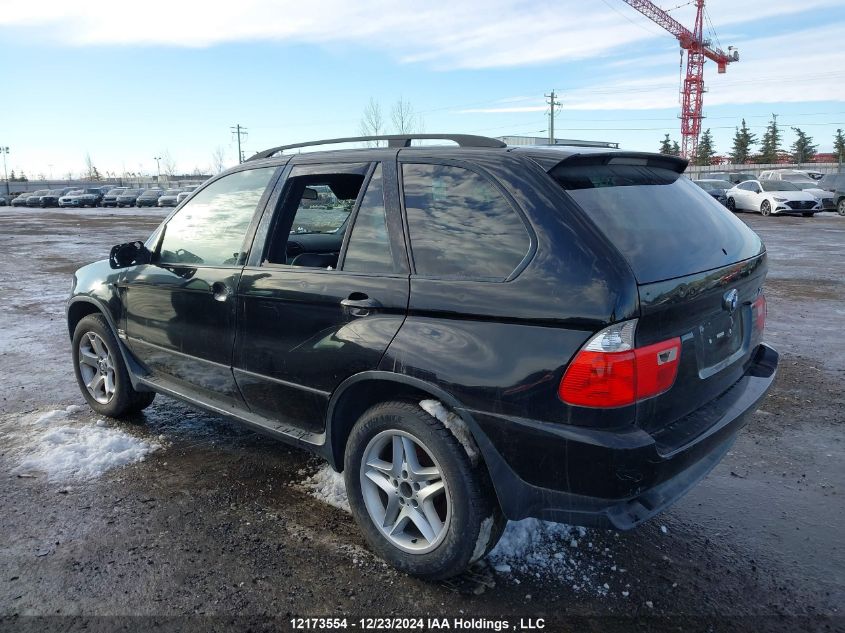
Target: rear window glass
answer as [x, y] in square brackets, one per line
[460, 224]
[662, 223]
[833, 180]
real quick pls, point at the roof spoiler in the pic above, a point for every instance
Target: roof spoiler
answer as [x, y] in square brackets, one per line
[645, 159]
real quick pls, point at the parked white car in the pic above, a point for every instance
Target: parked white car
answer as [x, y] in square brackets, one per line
[769, 197]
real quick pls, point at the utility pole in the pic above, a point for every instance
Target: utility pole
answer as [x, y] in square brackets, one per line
[158, 168]
[5, 150]
[240, 130]
[553, 103]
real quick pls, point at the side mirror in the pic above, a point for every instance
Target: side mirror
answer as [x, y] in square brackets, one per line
[129, 254]
[309, 194]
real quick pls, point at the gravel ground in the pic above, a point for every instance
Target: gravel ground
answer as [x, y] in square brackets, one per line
[218, 527]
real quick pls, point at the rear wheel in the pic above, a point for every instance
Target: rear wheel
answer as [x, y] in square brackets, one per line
[420, 503]
[840, 208]
[732, 205]
[101, 373]
[766, 208]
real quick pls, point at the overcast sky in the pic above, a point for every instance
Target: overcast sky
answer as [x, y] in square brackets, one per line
[128, 81]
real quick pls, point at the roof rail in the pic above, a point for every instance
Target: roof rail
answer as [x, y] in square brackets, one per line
[393, 140]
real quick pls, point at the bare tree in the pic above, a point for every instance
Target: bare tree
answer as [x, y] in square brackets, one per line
[168, 164]
[91, 172]
[405, 119]
[218, 159]
[372, 122]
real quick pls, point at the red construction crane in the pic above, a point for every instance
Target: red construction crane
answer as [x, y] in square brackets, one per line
[698, 50]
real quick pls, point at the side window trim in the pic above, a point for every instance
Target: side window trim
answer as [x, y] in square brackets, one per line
[532, 236]
[353, 216]
[249, 236]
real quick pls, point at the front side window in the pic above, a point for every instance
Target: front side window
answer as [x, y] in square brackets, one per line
[460, 224]
[310, 227]
[369, 243]
[210, 229]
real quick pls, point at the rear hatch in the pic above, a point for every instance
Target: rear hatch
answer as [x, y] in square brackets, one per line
[699, 270]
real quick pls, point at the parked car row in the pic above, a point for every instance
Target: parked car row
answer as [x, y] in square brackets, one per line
[108, 196]
[779, 191]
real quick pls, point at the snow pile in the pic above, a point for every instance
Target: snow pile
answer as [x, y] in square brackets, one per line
[554, 551]
[455, 424]
[328, 486]
[62, 449]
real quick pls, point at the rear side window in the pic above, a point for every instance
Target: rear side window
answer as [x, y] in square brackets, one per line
[460, 224]
[662, 223]
[832, 181]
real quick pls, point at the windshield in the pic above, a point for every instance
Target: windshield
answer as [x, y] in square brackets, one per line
[131, 192]
[172, 192]
[778, 185]
[150, 192]
[56, 192]
[664, 225]
[710, 185]
[41, 192]
[115, 192]
[804, 185]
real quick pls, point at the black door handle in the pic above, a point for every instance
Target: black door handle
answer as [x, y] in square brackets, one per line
[220, 291]
[359, 304]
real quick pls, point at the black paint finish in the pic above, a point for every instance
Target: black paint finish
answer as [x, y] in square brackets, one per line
[290, 350]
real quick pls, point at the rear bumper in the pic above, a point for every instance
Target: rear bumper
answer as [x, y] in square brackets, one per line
[614, 479]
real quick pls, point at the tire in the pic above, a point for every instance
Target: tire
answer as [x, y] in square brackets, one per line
[766, 208]
[732, 205]
[97, 360]
[469, 518]
[840, 207]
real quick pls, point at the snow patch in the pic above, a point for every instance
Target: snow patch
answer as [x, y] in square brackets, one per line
[552, 551]
[328, 486]
[483, 539]
[65, 450]
[455, 424]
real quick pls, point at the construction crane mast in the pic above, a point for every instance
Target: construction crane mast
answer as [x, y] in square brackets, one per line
[698, 51]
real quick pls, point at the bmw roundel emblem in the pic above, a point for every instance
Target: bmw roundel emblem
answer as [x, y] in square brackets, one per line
[730, 300]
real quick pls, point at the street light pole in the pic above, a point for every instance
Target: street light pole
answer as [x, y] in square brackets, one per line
[5, 150]
[158, 168]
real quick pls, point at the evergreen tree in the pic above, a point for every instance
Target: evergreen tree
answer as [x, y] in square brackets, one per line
[676, 149]
[839, 145]
[705, 153]
[803, 149]
[12, 177]
[666, 145]
[770, 145]
[743, 140]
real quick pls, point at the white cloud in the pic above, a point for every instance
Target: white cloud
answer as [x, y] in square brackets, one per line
[777, 69]
[440, 34]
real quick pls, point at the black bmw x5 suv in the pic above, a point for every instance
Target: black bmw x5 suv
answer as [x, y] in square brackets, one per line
[583, 328]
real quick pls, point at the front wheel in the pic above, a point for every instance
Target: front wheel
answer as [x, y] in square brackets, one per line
[420, 503]
[766, 208]
[101, 373]
[840, 208]
[732, 205]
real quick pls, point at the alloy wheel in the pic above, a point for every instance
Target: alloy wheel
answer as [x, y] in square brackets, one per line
[96, 366]
[405, 492]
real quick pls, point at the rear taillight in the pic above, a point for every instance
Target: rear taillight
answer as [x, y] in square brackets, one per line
[759, 310]
[610, 372]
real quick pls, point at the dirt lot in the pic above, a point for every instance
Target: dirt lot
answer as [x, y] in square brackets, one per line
[214, 528]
